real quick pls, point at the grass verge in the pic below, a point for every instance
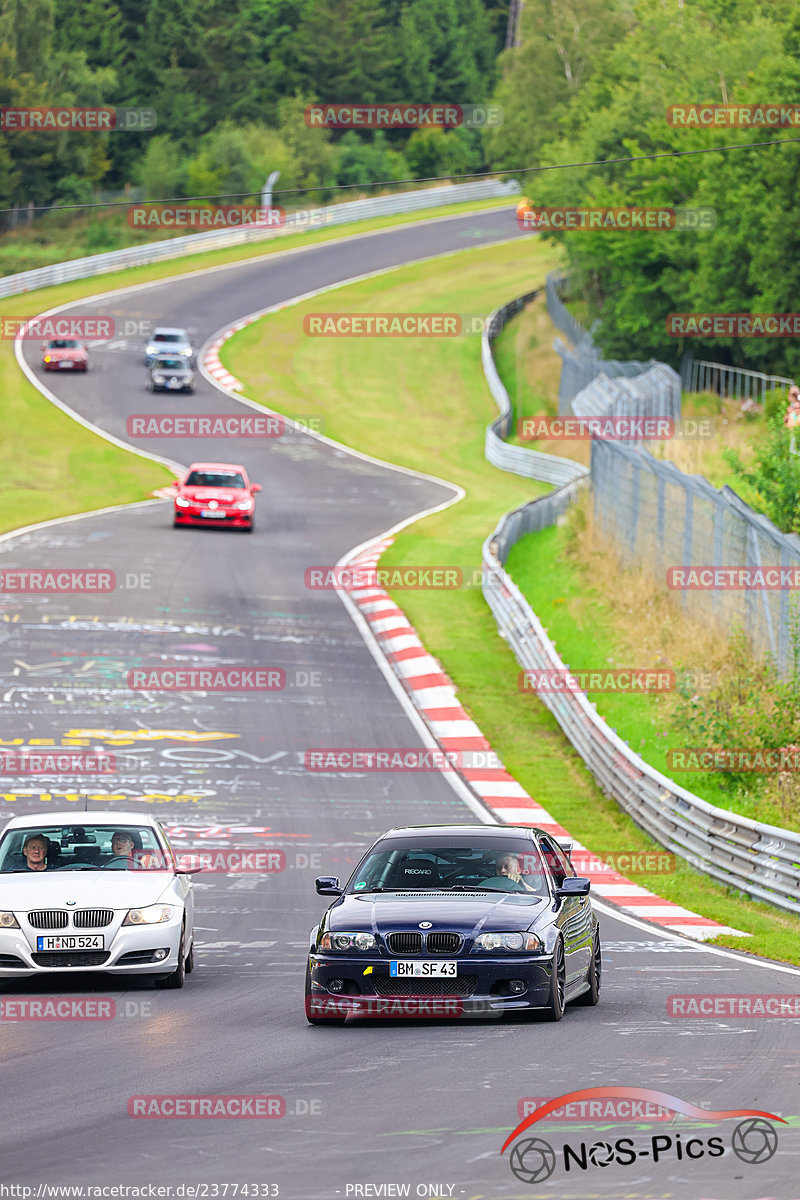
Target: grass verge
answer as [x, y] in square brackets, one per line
[385, 409]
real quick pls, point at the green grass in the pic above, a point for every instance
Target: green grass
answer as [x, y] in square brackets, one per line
[425, 405]
[53, 467]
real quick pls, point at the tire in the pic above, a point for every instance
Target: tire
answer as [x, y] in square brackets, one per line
[317, 1020]
[178, 977]
[190, 960]
[555, 1001]
[592, 997]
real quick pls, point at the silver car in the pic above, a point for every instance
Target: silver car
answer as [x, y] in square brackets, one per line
[165, 340]
[94, 892]
[169, 374]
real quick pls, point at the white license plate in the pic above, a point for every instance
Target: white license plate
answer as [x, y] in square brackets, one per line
[65, 364]
[85, 941]
[211, 512]
[429, 970]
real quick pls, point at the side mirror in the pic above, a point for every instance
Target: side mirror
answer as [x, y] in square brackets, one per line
[256, 487]
[188, 864]
[327, 885]
[574, 886]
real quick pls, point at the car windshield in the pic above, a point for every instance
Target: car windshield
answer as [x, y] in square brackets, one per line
[63, 344]
[221, 479]
[511, 865]
[169, 337]
[170, 363]
[83, 847]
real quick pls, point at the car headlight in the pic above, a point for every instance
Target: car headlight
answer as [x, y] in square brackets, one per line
[48, 358]
[508, 943]
[8, 921]
[150, 350]
[348, 941]
[154, 914]
[182, 503]
[245, 505]
[187, 352]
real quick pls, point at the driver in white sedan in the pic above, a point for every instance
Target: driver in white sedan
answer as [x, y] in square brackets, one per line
[35, 850]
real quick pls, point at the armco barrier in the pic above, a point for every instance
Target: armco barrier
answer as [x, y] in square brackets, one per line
[760, 860]
[217, 239]
[548, 468]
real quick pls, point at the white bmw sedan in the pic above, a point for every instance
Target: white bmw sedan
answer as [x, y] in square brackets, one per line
[94, 892]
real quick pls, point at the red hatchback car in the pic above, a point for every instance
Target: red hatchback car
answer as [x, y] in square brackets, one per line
[216, 494]
[64, 354]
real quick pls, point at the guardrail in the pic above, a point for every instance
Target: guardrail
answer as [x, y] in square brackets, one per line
[761, 860]
[216, 239]
[533, 464]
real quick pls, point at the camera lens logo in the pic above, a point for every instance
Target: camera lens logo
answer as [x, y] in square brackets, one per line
[754, 1141]
[601, 1154]
[533, 1160]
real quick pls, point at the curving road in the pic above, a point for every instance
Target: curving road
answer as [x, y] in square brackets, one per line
[371, 1109]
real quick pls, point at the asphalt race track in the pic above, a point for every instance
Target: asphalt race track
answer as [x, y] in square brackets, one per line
[420, 1104]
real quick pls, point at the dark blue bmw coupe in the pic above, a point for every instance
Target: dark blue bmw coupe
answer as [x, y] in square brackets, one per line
[455, 920]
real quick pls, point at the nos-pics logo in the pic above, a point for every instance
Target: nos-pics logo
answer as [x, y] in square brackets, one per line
[532, 1160]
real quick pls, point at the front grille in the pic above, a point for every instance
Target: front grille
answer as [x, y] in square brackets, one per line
[463, 986]
[48, 918]
[404, 943]
[72, 958]
[92, 918]
[443, 943]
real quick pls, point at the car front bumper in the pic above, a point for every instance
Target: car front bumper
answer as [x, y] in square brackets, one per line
[130, 952]
[228, 519]
[483, 987]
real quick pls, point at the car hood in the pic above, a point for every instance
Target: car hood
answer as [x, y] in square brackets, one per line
[89, 889]
[467, 912]
[223, 495]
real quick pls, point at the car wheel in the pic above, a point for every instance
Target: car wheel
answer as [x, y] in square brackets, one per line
[592, 997]
[190, 390]
[178, 976]
[249, 528]
[558, 978]
[313, 1020]
[190, 960]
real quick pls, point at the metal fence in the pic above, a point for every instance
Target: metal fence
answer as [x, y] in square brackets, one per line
[761, 860]
[736, 383]
[583, 362]
[334, 214]
[657, 515]
[654, 393]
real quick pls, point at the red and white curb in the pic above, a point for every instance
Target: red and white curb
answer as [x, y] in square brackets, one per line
[211, 360]
[435, 698]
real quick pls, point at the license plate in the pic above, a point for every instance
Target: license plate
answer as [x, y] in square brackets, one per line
[86, 941]
[65, 364]
[211, 512]
[175, 383]
[429, 970]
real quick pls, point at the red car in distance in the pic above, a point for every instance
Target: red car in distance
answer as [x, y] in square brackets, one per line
[64, 354]
[216, 494]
